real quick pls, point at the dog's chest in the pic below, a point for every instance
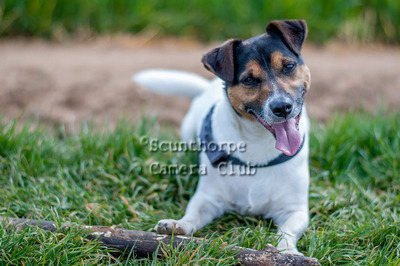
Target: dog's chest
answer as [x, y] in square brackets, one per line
[253, 195]
[249, 199]
[258, 194]
[265, 192]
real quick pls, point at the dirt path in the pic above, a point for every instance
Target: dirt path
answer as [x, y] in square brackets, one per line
[75, 82]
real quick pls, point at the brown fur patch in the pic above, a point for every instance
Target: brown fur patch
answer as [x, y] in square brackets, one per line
[288, 83]
[303, 73]
[253, 68]
[300, 77]
[242, 95]
[276, 61]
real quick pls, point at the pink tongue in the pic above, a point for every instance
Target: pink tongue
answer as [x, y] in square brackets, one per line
[288, 138]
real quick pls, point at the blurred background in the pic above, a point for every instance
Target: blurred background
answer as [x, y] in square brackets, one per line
[71, 61]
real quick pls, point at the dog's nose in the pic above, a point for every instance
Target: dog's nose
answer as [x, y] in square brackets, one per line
[281, 108]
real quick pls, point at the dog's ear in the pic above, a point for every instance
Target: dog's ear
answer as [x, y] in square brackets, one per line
[292, 32]
[221, 60]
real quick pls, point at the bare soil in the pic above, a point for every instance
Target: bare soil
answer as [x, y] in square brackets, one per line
[74, 82]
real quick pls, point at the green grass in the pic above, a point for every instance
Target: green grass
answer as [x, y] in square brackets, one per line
[102, 177]
[351, 20]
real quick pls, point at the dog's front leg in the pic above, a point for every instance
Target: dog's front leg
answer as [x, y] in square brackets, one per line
[201, 210]
[291, 227]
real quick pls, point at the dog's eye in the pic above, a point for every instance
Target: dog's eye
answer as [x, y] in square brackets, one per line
[249, 80]
[289, 67]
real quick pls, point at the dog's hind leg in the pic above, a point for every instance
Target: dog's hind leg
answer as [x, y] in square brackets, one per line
[291, 227]
[201, 210]
[188, 127]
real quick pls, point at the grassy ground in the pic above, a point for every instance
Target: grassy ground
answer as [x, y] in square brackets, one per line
[355, 20]
[99, 177]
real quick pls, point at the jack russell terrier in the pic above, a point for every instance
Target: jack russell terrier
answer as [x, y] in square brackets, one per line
[258, 100]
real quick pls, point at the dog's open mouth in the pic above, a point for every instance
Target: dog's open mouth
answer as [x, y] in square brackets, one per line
[287, 135]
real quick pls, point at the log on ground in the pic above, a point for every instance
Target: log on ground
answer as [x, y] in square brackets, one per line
[144, 244]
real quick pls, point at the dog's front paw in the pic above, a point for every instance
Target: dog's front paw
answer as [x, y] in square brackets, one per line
[169, 226]
[292, 251]
[283, 247]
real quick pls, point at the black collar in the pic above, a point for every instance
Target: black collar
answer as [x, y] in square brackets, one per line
[217, 155]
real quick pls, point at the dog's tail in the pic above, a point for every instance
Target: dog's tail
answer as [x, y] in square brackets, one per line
[172, 82]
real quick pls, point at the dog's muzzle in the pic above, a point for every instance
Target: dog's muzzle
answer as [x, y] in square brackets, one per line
[287, 134]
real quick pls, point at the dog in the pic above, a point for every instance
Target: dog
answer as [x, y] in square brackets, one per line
[257, 99]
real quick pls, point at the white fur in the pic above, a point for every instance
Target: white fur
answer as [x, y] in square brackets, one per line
[279, 192]
[172, 82]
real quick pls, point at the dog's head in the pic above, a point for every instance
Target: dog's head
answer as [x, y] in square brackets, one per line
[266, 79]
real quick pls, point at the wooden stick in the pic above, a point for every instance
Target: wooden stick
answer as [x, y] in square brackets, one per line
[144, 244]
